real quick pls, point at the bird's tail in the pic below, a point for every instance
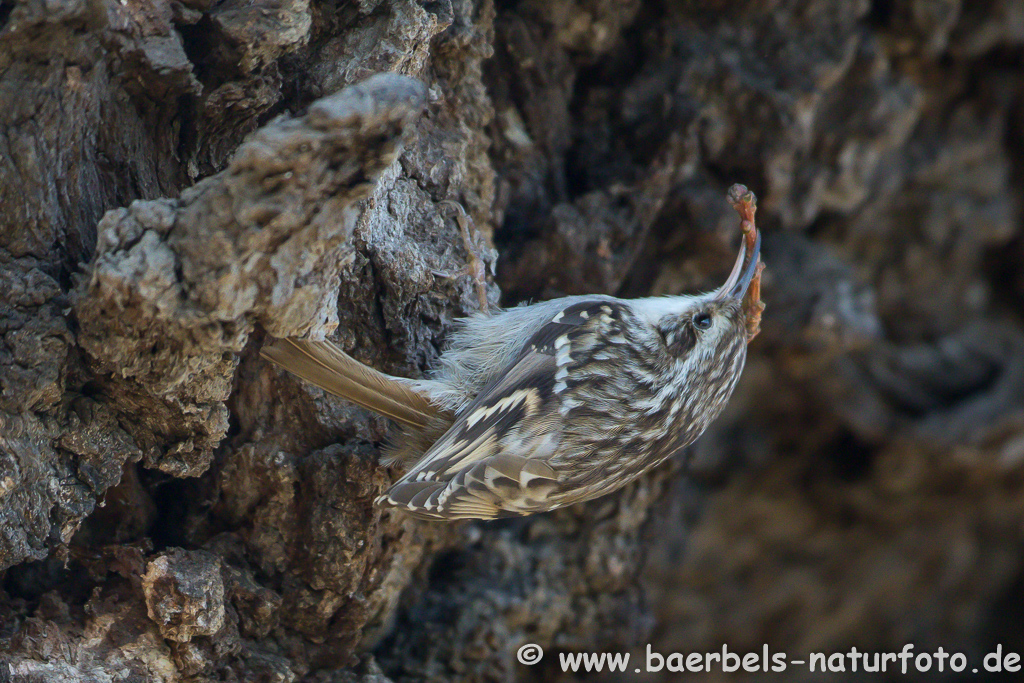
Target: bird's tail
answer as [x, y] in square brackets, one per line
[328, 367]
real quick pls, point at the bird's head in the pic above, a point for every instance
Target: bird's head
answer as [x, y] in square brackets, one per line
[705, 336]
[707, 325]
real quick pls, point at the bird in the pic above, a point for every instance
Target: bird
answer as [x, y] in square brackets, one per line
[540, 406]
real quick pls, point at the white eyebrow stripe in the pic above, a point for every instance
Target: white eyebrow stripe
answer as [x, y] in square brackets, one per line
[654, 308]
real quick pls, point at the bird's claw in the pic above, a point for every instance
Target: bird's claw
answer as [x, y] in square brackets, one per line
[475, 267]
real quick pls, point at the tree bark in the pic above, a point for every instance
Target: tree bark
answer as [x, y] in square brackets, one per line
[180, 179]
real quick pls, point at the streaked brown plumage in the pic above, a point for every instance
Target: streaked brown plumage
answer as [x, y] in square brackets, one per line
[541, 406]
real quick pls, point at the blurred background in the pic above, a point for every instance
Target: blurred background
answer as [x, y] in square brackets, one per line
[182, 178]
[864, 487]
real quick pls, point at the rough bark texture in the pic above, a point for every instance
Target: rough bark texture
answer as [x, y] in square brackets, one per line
[181, 178]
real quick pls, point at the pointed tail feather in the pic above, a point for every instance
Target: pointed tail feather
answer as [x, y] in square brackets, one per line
[334, 371]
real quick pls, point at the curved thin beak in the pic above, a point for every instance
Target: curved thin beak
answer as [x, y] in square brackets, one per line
[743, 271]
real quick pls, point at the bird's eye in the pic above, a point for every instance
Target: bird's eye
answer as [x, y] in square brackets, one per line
[702, 321]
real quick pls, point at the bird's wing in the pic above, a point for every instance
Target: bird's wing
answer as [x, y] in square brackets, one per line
[328, 367]
[491, 462]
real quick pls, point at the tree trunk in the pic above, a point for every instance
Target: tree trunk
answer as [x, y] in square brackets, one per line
[181, 179]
